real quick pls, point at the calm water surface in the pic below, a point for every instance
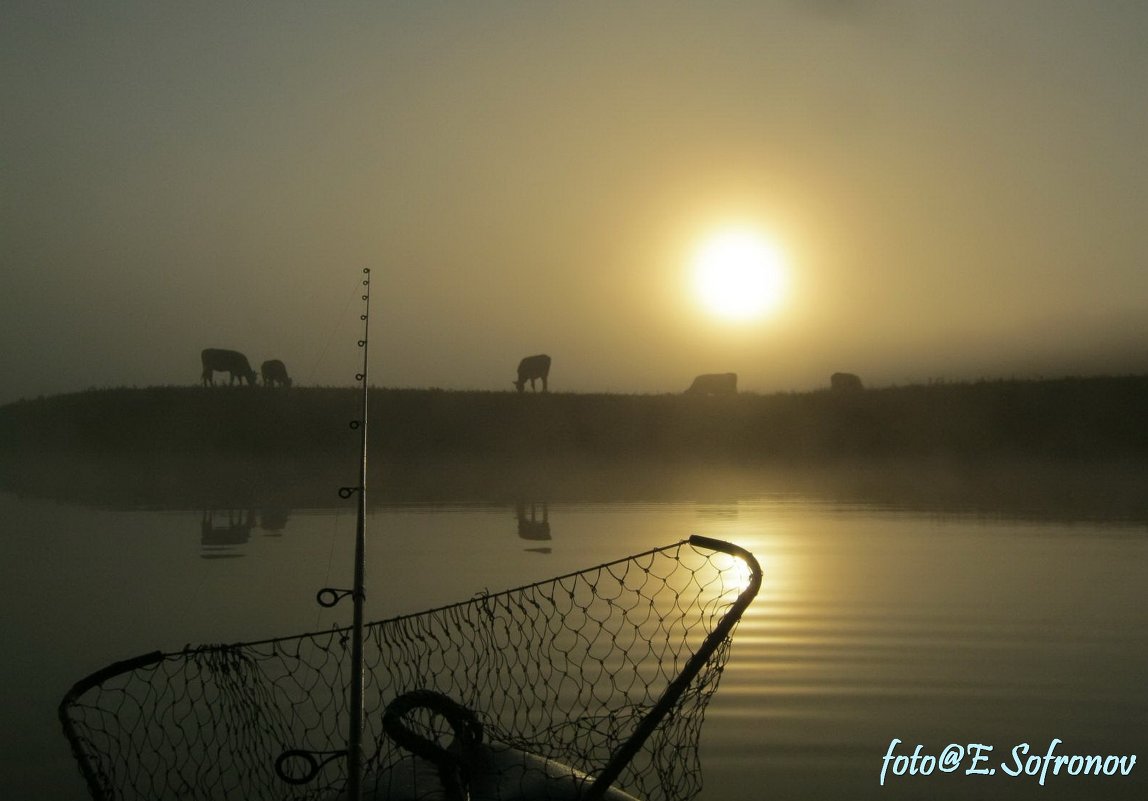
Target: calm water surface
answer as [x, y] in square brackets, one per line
[872, 623]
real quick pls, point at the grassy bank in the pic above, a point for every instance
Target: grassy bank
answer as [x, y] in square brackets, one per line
[1085, 418]
[1071, 449]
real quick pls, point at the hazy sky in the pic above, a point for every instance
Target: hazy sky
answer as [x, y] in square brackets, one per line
[960, 189]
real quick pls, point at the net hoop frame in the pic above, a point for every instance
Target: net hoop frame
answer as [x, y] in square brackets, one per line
[602, 781]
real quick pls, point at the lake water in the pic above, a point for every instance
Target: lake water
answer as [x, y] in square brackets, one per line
[877, 620]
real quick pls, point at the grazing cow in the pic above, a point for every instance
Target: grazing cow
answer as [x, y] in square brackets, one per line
[226, 361]
[274, 372]
[845, 382]
[533, 367]
[714, 384]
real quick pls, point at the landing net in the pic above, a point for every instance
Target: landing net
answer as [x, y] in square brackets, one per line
[581, 686]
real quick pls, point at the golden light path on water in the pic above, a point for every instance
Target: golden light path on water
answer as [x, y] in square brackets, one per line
[872, 626]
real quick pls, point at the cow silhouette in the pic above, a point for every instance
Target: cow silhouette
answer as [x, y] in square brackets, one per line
[274, 372]
[226, 361]
[533, 367]
[845, 382]
[714, 384]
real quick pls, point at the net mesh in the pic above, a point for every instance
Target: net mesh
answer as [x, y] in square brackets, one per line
[532, 692]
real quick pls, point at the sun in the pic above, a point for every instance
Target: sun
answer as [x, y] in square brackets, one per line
[739, 274]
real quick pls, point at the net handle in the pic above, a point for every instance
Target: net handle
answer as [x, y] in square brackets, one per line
[678, 686]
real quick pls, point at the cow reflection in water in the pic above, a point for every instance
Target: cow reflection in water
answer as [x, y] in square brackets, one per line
[530, 527]
[273, 520]
[221, 530]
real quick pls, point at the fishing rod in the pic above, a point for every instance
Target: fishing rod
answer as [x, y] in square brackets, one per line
[329, 596]
[358, 595]
[311, 762]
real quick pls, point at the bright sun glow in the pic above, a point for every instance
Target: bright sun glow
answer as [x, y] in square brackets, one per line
[739, 274]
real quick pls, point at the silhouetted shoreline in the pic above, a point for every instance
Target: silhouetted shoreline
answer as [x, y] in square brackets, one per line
[1071, 418]
[1073, 449]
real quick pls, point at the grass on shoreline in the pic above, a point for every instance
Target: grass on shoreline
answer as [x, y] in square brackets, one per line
[1069, 418]
[1071, 449]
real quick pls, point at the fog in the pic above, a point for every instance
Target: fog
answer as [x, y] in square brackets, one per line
[959, 190]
